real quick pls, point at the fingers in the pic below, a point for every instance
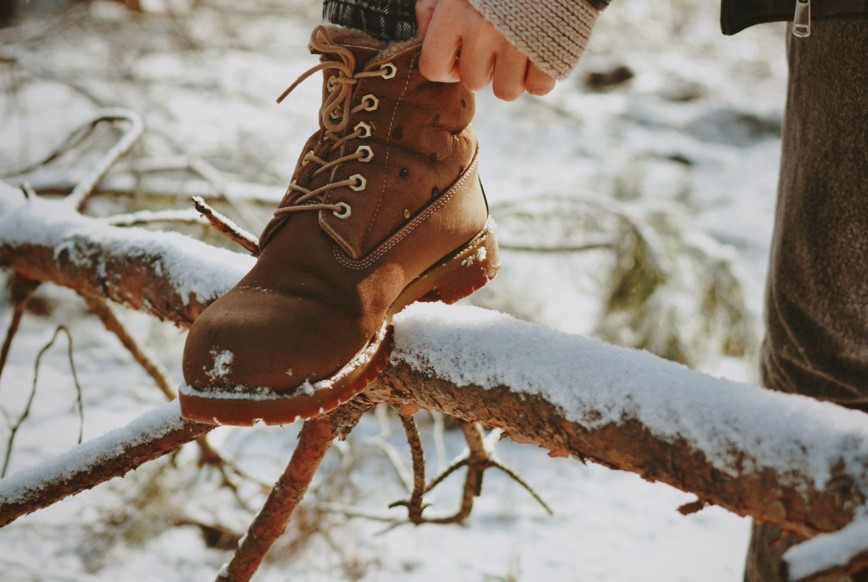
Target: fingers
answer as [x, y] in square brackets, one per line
[476, 63]
[460, 45]
[537, 82]
[439, 59]
[509, 75]
[424, 12]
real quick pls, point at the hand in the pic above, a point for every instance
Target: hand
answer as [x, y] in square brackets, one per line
[461, 46]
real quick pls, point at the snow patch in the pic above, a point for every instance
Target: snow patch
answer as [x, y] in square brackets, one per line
[827, 551]
[222, 364]
[478, 256]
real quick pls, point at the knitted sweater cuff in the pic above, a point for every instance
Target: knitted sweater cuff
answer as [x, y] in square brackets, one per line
[552, 33]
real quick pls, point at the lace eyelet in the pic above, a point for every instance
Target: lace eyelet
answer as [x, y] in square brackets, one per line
[369, 153]
[389, 70]
[364, 129]
[335, 114]
[370, 102]
[330, 84]
[306, 159]
[360, 184]
[344, 211]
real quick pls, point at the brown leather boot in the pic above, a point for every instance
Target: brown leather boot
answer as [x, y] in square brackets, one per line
[384, 209]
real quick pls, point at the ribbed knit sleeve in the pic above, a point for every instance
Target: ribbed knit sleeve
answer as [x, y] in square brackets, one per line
[552, 33]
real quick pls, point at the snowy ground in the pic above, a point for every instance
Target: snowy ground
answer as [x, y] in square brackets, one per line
[693, 132]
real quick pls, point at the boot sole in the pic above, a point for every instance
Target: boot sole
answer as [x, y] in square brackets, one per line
[453, 278]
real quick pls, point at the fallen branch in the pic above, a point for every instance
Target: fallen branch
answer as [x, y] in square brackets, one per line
[621, 408]
[150, 436]
[172, 277]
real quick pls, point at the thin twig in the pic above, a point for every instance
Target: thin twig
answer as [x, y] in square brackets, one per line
[145, 183]
[83, 190]
[27, 190]
[459, 462]
[556, 250]
[350, 511]
[691, 507]
[226, 227]
[478, 457]
[21, 291]
[72, 141]
[495, 462]
[25, 414]
[140, 354]
[394, 458]
[219, 181]
[414, 504]
[145, 217]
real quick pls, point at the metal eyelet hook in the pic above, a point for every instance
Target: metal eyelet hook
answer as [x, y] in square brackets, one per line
[363, 128]
[370, 102]
[344, 211]
[360, 184]
[306, 159]
[369, 153]
[389, 70]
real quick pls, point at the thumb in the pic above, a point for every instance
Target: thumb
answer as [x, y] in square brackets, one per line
[424, 12]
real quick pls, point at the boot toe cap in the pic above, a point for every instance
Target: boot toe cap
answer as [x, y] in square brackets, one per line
[258, 338]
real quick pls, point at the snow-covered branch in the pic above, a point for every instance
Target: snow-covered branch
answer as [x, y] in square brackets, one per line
[783, 459]
[111, 455]
[165, 274]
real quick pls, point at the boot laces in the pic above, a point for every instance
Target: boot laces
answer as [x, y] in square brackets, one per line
[335, 115]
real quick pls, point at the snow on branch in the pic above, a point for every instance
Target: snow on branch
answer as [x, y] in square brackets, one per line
[111, 455]
[165, 274]
[784, 459]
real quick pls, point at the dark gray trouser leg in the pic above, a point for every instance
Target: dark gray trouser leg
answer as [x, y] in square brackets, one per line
[817, 297]
[382, 19]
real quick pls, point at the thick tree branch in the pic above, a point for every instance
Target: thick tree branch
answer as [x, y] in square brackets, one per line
[167, 275]
[621, 408]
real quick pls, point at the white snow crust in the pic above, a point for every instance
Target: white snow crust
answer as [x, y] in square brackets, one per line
[597, 384]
